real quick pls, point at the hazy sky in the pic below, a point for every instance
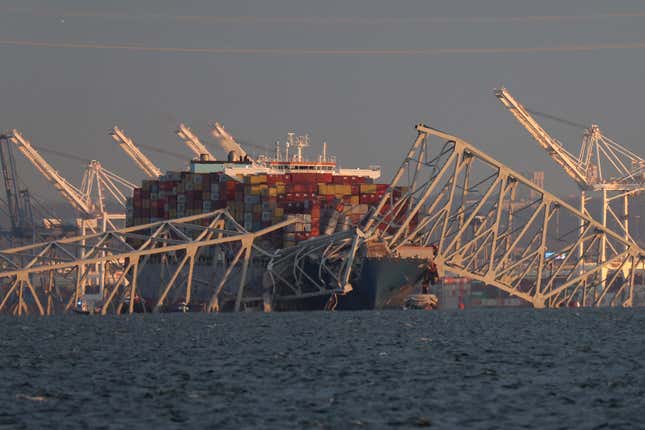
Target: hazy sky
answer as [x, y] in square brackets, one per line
[358, 74]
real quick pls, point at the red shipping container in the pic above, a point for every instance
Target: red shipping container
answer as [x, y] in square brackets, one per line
[303, 178]
[324, 177]
[278, 179]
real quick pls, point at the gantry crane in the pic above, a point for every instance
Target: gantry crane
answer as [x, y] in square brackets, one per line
[602, 165]
[18, 200]
[134, 153]
[228, 142]
[193, 143]
[69, 192]
[89, 199]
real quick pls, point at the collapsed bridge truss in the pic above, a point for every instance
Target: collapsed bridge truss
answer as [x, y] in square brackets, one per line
[473, 212]
[448, 196]
[52, 277]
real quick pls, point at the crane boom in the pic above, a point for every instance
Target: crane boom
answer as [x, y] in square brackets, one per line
[135, 153]
[72, 194]
[193, 142]
[555, 150]
[227, 141]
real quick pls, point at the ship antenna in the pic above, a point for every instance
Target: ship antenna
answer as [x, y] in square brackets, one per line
[286, 151]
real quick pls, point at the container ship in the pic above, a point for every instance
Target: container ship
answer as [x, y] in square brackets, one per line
[320, 196]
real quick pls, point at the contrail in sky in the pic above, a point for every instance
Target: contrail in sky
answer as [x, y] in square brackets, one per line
[337, 52]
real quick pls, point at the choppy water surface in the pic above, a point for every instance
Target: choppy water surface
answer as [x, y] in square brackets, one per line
[475, 369]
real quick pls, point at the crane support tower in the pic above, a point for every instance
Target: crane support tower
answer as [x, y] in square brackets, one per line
[140, 159]
[193, 143]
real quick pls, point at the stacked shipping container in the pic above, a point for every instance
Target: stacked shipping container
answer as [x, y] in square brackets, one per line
[259, 200]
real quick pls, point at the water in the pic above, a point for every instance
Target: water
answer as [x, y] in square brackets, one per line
[471, 369]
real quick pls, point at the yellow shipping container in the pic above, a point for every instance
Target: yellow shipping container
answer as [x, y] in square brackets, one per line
[273, 192]
[368, 188]
[346, 189]
[323, 189]
[281, 188]
[279, 212]
[354, 200]
[256, 179]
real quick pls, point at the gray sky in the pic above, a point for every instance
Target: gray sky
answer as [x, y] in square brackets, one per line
[357, 74]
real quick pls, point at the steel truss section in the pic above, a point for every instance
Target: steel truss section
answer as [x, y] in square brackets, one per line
[467, 205]
[320, 266]
[52, 277]
[470, 209]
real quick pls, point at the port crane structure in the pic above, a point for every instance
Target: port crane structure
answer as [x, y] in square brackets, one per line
[449, 202]
[602, 165]
[18, 201]
[194, 144]
[140, 159]
[89, 199]
[228, 142]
